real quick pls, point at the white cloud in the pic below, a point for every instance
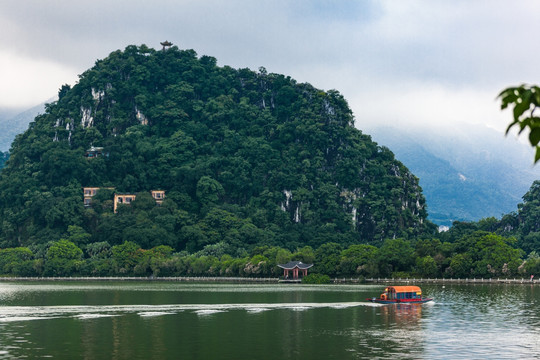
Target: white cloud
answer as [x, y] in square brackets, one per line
[424, 104]
[27, 82]
[408, 61]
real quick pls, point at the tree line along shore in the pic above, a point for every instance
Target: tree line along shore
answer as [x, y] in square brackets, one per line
[477, 254]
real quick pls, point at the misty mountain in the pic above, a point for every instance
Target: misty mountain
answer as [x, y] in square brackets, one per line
[466, 173]
[13, 123]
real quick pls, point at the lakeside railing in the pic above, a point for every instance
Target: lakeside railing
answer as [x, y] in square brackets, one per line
[335, 280]
[439, 280]
[142, 278]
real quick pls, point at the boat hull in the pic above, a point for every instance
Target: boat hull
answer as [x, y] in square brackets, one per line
[399, 301]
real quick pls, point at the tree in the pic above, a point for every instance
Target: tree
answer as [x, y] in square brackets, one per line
[485, 254]
[209, 192]
[426, 266]
[98, 250]
[360, 260]
[3, 158]
[396, 255]
[305, 255]
[532, 264]
[78, 235]
[525, 100]
[461, 266]
[496, 257]
[327, 259]
[63, 91]
[63, 258]
[16, 261]
[64, 249]
[126, 256]
[143, 201]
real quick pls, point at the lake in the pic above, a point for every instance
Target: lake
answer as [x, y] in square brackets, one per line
[166, 320]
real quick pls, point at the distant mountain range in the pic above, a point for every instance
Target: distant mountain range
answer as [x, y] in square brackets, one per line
[12, 124]
[467, 173]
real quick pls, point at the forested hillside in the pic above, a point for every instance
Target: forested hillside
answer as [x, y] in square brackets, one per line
[523, 224]
[245, 159]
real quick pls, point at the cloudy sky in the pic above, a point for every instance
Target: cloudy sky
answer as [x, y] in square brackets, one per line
[399, 62]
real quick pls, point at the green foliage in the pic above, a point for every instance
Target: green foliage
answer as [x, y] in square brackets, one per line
[316, 279]
[305, 255]
[78, 235]
[483, 254]
[126, 256]
[525, 99]
[529, 219]
[427, 267]
[98, 250]
[17, 261]
[327, 259]
[397, 255]
[360, 260]
[208, 192]
[461, 266]
[524, 225]
[64, 250]
[4, 156]
[532, 264]
[62, 259]
[479, 254]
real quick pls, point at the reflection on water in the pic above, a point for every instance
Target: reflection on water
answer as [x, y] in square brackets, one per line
[497, 320]
[205, 321]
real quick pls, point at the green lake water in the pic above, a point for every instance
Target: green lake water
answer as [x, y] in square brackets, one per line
[154, 320]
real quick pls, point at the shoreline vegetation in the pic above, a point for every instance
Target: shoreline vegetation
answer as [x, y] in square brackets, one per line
[476, 255]
[247, 280]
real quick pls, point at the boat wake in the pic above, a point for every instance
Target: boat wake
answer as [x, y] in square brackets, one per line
[88, 312]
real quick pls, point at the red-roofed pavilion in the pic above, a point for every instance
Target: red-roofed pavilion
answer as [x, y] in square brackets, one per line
[296, 267]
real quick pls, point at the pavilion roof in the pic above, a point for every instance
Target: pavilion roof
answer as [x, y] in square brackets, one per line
[292, 264]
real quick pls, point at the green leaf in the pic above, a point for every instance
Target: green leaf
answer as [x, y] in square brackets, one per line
[520, 108]
[537, 156]
[536, 95]
[534, 136]
[508, 96]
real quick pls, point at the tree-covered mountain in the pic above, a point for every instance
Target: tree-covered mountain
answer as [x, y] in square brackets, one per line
[245, 158]
[523, 224]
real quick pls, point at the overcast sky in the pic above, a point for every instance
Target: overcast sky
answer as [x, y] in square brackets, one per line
[398, 62]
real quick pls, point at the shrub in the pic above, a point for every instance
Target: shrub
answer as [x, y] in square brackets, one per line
[316, 279]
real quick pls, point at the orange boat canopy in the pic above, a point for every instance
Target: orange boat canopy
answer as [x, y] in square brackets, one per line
[403, 289]
[401, 292]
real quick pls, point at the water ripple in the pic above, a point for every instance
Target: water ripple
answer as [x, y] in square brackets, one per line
[26, 313]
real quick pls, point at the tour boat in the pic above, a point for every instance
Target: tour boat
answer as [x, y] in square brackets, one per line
[401, 295]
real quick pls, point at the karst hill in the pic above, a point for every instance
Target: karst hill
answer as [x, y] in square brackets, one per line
[166, 147]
